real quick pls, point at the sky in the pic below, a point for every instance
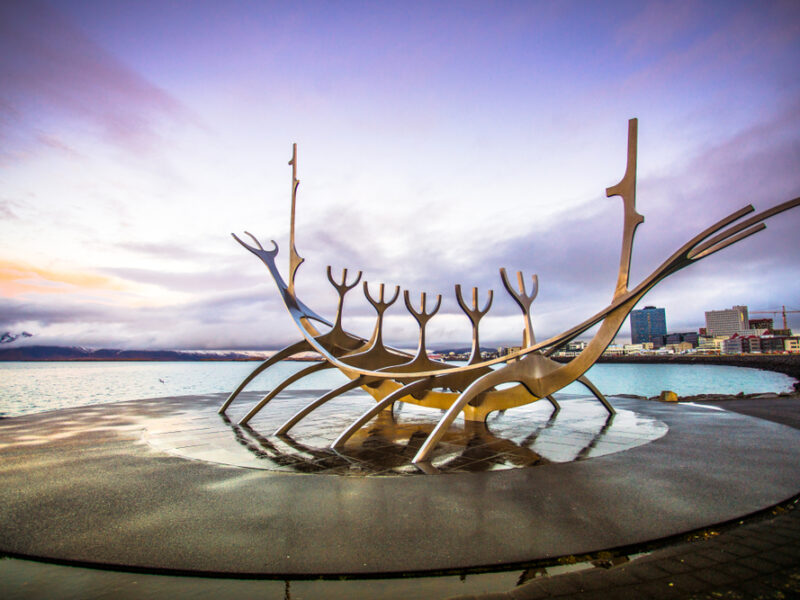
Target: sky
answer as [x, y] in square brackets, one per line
[437, 142]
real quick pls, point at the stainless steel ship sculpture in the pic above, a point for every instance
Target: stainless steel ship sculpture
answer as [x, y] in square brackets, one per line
[390, 375]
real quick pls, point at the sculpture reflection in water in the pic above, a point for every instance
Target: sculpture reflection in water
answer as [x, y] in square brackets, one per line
[392, 376]
[387, 446]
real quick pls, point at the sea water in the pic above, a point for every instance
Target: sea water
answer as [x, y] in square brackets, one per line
[31, 387]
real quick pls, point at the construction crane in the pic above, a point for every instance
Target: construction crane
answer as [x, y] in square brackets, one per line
[783, 311]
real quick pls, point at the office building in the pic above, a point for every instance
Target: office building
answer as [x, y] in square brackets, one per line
[741, 344]
[648, 323]
[773, 344]
[727, 322]
[762, 324]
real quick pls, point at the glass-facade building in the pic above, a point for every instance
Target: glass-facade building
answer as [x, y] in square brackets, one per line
[647, 323]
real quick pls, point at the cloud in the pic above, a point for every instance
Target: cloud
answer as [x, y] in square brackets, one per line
[656, 26]
[6, 210]
[42, 312]
[18, 277]
[716, 62]
[49, 68]
[196, 281]
[56, 144]
[166, 250]
[755, 165]
[242, 319]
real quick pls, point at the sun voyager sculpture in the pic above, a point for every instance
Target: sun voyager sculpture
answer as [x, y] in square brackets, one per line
[390, 375]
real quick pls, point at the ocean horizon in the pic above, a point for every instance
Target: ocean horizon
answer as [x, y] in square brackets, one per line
[32, 387]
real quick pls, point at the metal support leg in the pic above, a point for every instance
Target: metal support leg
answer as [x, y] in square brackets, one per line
[275, 358]
[556, 406]
[282, 386]
[358, 381]
[416, 386]
[486, 382]
[585, 381]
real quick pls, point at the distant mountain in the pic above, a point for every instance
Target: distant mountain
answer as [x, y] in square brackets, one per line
[8, 337]
[78, 353]
[31, 353]
[463, 350]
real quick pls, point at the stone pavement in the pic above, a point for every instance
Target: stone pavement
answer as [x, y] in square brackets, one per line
[758, 559]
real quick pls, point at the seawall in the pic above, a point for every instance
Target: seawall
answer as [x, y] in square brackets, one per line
[782, 363]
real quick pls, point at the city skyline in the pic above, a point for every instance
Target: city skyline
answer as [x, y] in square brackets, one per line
[437, 143]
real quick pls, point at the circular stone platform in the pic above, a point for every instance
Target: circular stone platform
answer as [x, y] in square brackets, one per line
[92, 485]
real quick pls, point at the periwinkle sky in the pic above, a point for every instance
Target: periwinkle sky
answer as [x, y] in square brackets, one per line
[438, 141]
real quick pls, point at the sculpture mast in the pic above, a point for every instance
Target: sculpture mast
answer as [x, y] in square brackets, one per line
[626, 189]
[295, 260]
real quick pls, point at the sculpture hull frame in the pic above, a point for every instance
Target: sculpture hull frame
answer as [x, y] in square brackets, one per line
[390, 375]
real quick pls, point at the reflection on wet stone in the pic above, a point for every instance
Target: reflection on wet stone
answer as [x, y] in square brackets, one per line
[526, 437]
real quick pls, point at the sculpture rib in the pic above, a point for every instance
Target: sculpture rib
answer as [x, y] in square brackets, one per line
[350, 385]
[282, 386]
[300, 346]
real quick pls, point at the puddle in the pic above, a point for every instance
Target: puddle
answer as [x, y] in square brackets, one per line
[525, 437]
